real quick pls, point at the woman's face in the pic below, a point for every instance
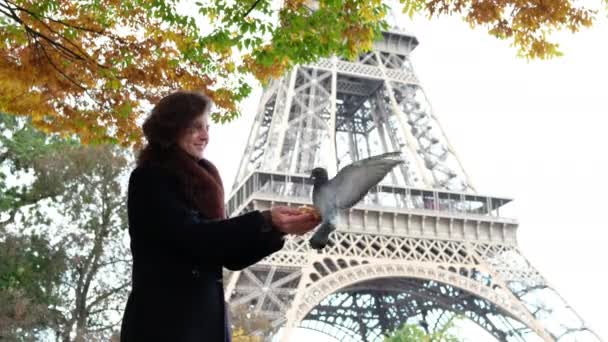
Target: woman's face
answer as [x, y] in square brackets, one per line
[195, 137]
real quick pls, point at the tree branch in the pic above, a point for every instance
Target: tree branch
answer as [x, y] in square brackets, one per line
[73, 81]
[35, 34]
[251, 8]
[6, 14]
[114, 261]
[79, 54]
[90, 270]
[81, 28]
[105, 295]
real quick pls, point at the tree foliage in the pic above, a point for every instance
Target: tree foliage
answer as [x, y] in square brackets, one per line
[248, 326]
[23, 150]
[528, 24]
[29, 266]
[92, 67]
[64, 265]
[415, 333]
[29, 269]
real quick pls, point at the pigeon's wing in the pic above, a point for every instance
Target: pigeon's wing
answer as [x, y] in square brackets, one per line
[388, 155]
[354, 181]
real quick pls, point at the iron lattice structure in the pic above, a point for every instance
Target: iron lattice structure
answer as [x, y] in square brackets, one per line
[422, 247]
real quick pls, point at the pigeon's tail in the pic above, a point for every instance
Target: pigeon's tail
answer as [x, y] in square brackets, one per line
[320, 238]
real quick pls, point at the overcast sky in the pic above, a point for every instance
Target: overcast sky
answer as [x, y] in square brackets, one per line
[532, 131]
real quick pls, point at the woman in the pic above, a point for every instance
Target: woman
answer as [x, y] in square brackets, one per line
[180, 238]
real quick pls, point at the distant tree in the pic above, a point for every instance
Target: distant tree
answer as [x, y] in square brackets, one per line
[23, 149]
[29, 271]
[91, 230]
[29, 265]
[64, 263]
[415, 333]
[239, 335]
[248, 326]
[92, 67]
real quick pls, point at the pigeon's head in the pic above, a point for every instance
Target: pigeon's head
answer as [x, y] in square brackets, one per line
[318, 175]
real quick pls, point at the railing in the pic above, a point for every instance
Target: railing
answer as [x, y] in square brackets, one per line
[299, 188]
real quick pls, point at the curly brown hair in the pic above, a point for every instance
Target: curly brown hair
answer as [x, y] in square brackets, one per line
[172, 115]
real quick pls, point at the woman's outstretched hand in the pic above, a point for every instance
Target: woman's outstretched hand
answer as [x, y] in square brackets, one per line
[292, 220]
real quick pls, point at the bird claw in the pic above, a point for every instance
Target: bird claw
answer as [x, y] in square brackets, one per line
[320, 244]
[315, 244]
[320, 238]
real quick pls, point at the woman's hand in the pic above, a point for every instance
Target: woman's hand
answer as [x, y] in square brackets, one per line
[293, 221]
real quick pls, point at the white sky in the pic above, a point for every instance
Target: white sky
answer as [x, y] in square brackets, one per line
[532, 131]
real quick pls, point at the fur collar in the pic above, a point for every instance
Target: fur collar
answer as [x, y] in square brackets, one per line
[199, 181]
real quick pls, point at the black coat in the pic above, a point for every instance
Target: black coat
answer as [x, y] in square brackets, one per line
[177, 293]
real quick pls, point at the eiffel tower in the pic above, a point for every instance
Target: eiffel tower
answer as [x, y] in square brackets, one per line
[422, 247]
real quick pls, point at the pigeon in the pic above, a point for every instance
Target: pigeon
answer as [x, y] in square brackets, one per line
[347, 188]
